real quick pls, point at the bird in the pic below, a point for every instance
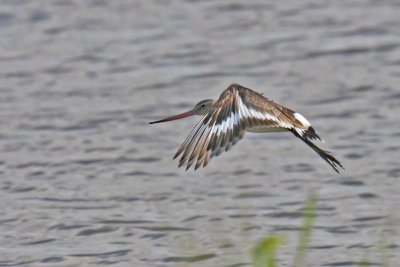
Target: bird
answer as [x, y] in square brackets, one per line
[239, 110]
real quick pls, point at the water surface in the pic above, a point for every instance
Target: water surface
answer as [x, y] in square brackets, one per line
[85, 181]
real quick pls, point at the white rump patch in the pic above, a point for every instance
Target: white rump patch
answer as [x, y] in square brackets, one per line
[301, 119]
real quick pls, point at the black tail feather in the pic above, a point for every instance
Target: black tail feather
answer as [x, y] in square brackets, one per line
[326, 155]
[311, 134]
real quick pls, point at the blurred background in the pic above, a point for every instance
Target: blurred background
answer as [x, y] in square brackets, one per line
[86, 181]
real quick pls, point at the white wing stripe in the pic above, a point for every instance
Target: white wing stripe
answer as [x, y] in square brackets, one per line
[237, 117]
[228, 123]
[244, 109]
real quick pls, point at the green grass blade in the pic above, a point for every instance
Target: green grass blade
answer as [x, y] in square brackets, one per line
[363, 263]
[305, 233]
[264, 253]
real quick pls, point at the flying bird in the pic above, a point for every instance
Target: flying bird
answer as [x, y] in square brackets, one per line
[239, 110]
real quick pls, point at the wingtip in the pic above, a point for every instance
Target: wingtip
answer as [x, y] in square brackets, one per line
[337, 169]
[336, 164]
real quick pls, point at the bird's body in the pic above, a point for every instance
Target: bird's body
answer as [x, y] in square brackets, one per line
[239, 110]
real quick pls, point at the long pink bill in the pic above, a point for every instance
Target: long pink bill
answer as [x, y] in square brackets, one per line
[176, 117]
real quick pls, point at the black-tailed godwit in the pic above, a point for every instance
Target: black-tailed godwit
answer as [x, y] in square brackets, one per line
[226, 120]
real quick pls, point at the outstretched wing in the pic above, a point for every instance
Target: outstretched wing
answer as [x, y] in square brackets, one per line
[216, 132]
[262, 108]
[287, 119]
[236, 110]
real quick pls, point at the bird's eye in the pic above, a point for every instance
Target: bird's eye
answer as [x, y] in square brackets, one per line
[202, 105]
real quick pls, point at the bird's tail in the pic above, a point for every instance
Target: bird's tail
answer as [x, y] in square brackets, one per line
[326, 155]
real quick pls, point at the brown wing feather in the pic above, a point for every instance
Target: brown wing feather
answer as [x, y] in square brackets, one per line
[287, 118]
[260, 103]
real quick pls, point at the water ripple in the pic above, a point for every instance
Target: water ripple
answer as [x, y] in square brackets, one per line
[116, 253]
[195, 258]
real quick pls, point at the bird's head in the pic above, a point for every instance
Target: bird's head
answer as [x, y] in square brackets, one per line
[201, 108]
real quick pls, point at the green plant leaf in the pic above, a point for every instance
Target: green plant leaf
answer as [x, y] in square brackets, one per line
[305, 233]
[264, 253]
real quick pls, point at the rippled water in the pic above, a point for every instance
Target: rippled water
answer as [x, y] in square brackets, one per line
[85, 181]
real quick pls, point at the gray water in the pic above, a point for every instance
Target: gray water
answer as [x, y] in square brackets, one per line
[85, 181]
